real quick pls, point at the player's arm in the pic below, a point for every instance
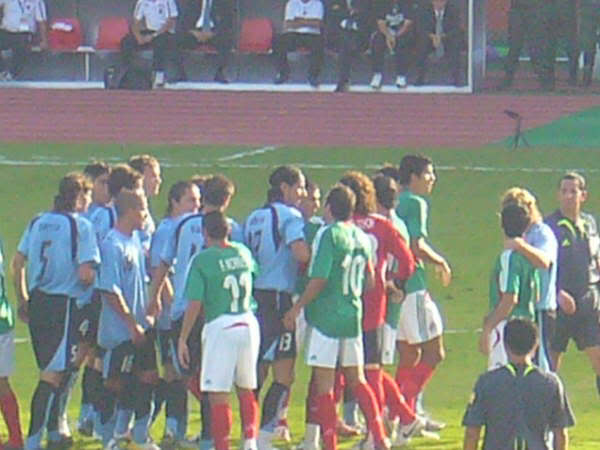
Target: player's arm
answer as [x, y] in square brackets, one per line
[159, 275]
[405, 260]
[422, 250]
[189, 319]
[536, 256]
[136, 30]
[119, 305]
[471, 441]
[313, 288]
[561, 438]
[301, 251]
[500, 312]
[20, 284]
[86, 273]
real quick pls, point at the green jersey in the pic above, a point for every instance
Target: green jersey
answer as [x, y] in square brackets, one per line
[514, 274]
[311, 227]
[221, 278]
[392, 313]
[340, 254]
[7, 315]
[413, 210]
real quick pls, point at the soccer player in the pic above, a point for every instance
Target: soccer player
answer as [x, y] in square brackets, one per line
[9, 407]
[184, 198]
[149, 167]
[420, 326]
[340, 263]
[98, 172]
[275, 234]
[578, 273]
[219, 283]
[54, 265]
[514, 288]
[130, 368]
[540, 247]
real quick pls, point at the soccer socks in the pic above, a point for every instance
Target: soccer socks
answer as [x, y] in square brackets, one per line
[413, 380]
[327, 419]
[176, 409]
[375, 380]
[10, 411]
[206, 418]
[395, 400]
[221, 425]
[368, 404]
[107, 415]
[193, 386]
[87, 394]
[41, 402]
[144, 406]
[249, 414]
[272, 404]
[160, 397]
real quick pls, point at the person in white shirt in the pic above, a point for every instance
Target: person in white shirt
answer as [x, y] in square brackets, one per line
[153, 27]
[302, 25]
[21, 19]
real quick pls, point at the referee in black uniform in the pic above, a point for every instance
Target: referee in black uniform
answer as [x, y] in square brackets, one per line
[518, 404]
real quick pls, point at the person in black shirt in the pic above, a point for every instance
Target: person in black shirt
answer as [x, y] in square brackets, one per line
[518, 401]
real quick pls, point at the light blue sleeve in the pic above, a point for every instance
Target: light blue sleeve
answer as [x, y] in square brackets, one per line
[109, 277]
[88, 247]
[237, 231]
[23, 247]
[168, 249]
[159, 239]
[293, 227]
[101, 223]
[548, 244]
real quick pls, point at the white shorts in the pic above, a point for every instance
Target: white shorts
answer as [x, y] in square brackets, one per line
[301, 326]
[389, 345]
[230, 346]
[497, 356]
[329, 352]
[420, 319]
[7, 354]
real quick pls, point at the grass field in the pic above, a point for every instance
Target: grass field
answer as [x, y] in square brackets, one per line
[464, 226]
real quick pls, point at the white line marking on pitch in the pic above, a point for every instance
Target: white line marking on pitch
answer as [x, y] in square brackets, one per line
[258, 151]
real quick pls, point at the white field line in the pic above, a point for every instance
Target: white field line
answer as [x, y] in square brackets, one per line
[258, 151]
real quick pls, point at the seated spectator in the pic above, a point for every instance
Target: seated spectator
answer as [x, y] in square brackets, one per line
[301, 28]
[350, 28]
[395, 31]
[439, 31]
[208, 22]
[153, 27]
[21, 19]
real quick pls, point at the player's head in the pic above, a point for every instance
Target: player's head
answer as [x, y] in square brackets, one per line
[340, 203]
[363, 189]
[98, 172]
[123, 177]
[184, 197]
[520, 336]
[287, 185]
[74, 193]
[149, 167]
[525, 198]
[199, 181]
[132, 208]
[215, 226]
[218, 192]
[416, 173]
[389, 170]
[515, 219]
[386, 191]
[572, 193]
[310, 204]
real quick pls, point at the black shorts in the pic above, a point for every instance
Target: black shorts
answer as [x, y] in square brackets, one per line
[194, 343]
[53, 330]
[163, 339]
[127, 359]
[88, 317]
[373, 345]
[276, 342]
[583, 326]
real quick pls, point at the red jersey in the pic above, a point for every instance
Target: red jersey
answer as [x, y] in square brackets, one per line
[385, 240]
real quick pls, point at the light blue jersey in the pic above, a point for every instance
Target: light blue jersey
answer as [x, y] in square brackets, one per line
[159, 238]
[91, 210]
[122, 272]
[541, 236]
[147, 232]
[55, 245]
[268, 232]
[103, 219]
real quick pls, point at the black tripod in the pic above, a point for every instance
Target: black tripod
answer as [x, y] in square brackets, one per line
[519, 136]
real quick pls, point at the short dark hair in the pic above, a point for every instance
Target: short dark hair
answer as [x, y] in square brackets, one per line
[413, 165]
[283, 174]
[341, 201]
[126, 200]
[386, 190]
[574, 176]
[520, 336]
[363, 189]
[96, 169]
[122, 177]
[515, 219]
[389, 170]
[217, 189]
[140, 162]
[216, 225]
[177, 191]
[70, 186]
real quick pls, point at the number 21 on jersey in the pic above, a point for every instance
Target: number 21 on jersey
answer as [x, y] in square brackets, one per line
[240, 301]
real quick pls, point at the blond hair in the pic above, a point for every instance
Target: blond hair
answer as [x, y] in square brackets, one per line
[523, 197]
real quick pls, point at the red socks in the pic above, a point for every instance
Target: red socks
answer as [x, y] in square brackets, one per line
[327, 419]
[311, 407]
[375, 380]
[395, 400]
[221, 425]
[249, 414]
[368, 404]
[10, 412]
[413, 380]
[194, 386]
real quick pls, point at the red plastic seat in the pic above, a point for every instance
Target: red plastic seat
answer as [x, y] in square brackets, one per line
[256, 35]
[62, 40]
[110, 33]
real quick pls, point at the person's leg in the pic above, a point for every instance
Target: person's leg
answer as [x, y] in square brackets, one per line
[424, 48]
[316, 45]
[516, 39]
[20, 44]
[129, 45]
[9, 406]
[146, 374]
[282, 44]
[347, 54]
[223, 42]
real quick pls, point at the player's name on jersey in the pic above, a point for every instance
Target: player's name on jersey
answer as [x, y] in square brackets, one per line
[234, 263]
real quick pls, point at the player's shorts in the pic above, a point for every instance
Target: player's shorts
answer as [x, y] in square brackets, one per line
[163, 342]
[194, 343]
[88, 317]
[331, 352]
[583, 326]
[53, 330]
[420, 319]
[7, 354]
[230, 345]
[373, 345]
[276, 342]
[127, 359]
[389, 345]
[546, 322]
[497, 356]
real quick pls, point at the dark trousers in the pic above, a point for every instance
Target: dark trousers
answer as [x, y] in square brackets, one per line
[163, 47]
[222, 42]
[20, 44]
[401, 52]
[589, 24]
[562, 31]
[451, 53]
[288, 42]
[351, 45]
